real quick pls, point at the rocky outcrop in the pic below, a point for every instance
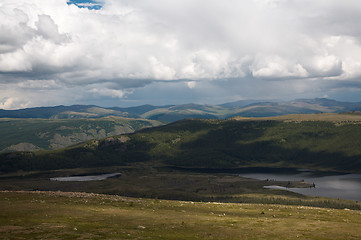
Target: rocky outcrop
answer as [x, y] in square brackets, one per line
[21, 147]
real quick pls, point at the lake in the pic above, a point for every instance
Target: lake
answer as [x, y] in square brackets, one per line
[85, 178]
[343, 186]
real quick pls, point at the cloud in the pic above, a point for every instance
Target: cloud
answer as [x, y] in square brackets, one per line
[47, 29]
[11, 103]
[113, 93]
[276, 67]
[127, 45]
[191, 85]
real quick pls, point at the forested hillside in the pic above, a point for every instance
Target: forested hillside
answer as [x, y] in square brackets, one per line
[37, 134]
[321, 141]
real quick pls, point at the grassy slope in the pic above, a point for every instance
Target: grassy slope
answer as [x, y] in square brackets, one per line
[324, 145]
[175, 113]
[319, 144]
[55, 215]
[52, 134]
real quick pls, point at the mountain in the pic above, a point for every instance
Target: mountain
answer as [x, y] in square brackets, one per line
[60, 126]
[179, 112]
[318, 141]
[171, 113]
[61, 112]
[35, 134]
[240, 103]
[138, 110]
[299, 106]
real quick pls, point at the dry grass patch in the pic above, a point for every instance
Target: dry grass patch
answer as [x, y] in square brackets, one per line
[57, 215]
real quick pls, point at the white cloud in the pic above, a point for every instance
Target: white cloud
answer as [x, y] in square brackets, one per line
[275, 67]
[114, 93]
[132, 43]
[191, 85]
[328, 65]
[47, 28]
[12, 103]
[39, 84]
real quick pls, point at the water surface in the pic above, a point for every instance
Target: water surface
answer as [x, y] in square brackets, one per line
[86, 178]
[343, 186]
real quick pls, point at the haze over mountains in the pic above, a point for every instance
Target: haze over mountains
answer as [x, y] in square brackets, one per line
[170, 113]
[61, 126]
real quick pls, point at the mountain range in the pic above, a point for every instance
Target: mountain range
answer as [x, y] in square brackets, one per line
[49, 128]
[171, 113]
[328, 141]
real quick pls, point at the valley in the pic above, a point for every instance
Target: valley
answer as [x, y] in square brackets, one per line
[191, 169]
[135, 119]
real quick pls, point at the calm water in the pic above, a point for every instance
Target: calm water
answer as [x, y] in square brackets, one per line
[86, 178]
[344, 186]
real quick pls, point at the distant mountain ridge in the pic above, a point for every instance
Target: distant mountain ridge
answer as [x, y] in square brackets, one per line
[171, 113]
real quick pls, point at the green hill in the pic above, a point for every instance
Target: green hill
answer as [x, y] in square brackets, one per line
[36, 134]
[320, 141]
[173, 113]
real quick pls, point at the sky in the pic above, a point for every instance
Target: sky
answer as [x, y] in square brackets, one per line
[160, 52]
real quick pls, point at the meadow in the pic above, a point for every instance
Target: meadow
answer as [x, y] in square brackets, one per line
[59, 215]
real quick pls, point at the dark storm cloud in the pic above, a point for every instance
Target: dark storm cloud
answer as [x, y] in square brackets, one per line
[123, 46]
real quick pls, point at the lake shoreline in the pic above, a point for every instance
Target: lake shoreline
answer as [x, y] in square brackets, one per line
[85, 178]
[340, 186]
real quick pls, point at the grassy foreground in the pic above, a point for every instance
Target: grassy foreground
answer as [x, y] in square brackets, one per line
[58, 215]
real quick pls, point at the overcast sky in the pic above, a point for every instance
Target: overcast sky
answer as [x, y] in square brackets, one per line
[133, 52]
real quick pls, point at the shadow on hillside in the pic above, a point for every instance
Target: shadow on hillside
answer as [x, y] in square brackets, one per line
[236, 145]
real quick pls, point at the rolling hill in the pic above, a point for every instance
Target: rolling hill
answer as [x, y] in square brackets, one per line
[171, 113]
[47, 127]
[319, 141]
[300, 106]
[34, 134]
